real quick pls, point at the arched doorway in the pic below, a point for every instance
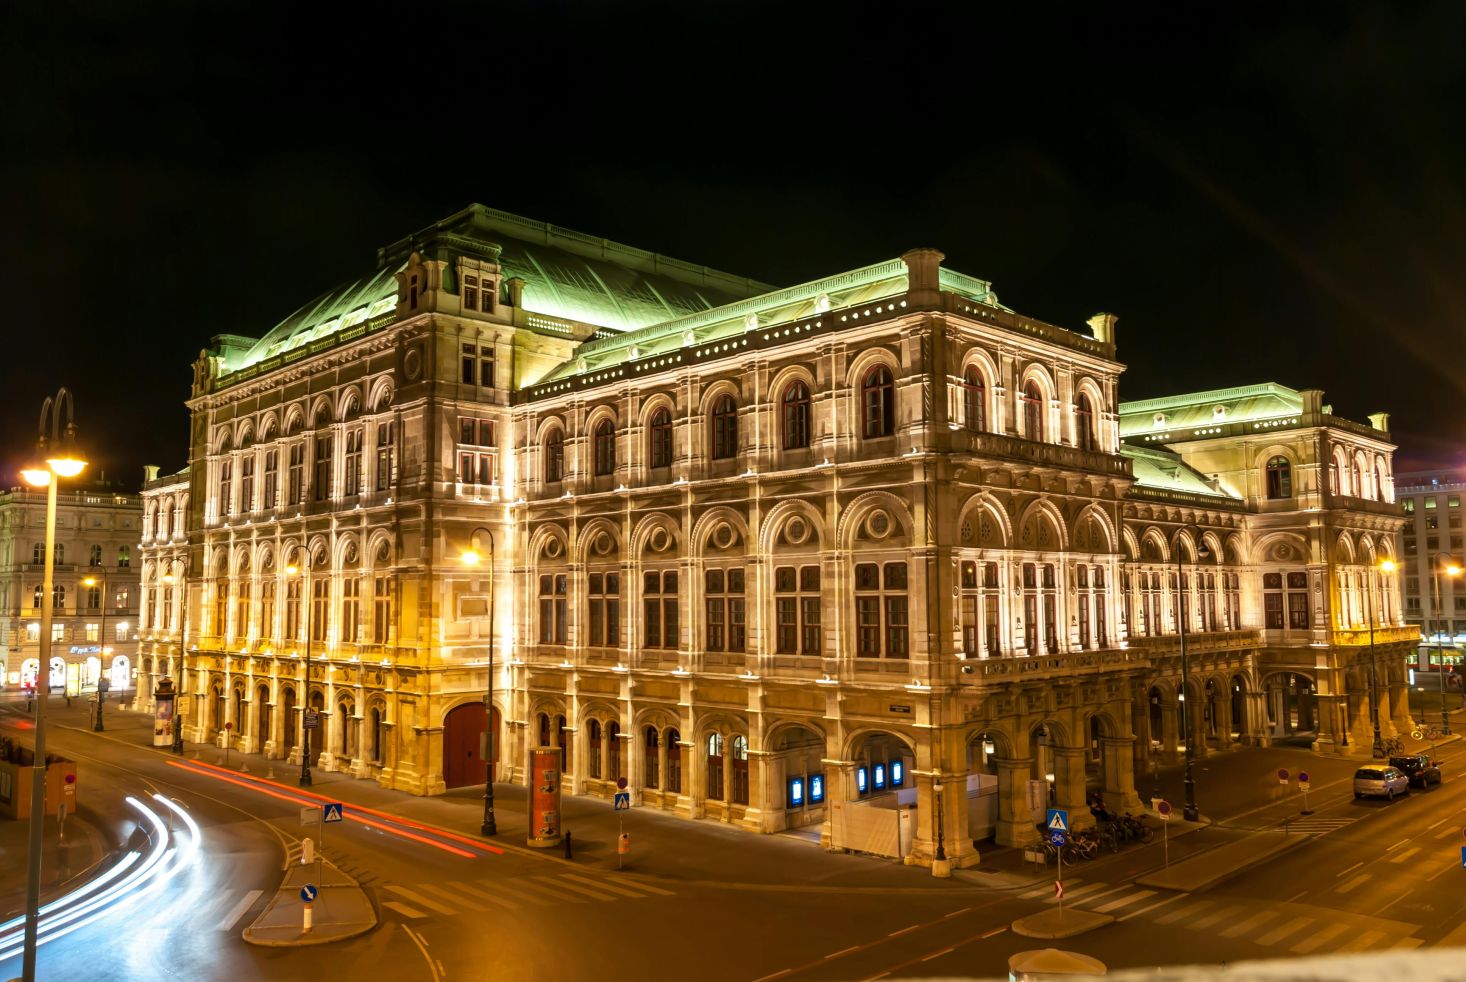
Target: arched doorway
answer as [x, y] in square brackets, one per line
[121, 675]
[291, 721]
[882, 766]
[237, 720]
[347, 730]
[1291, 709]
[29, 669]
[318, 735]
[216, 708]
[1239, 706]
[462, 729]
[797, 777]
[983, 787]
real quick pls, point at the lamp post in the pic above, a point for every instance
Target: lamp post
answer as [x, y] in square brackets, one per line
[1453, 570]
[471, 558]
[1388, 566]
[60, 460]
[1190, 810]
[90, 582]
[181, 579]
[305, 598]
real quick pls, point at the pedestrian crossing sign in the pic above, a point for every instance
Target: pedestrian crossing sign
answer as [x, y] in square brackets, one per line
[1058, 820]
[333, 811]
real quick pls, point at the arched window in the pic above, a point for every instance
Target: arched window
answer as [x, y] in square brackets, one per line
[1033, 411]
[715, 766]
[974, 400]
[740, 770]
[555, 456]
[661, 438]
[878, 397]
[653, 750]
[96, 557]
[1279, 478]
[725, 428]
[595, 749]
[37, 557]
[1084, 435]
[674, 761]
[1379, 481]
[605, 447]
[796, 415]
[613, 750]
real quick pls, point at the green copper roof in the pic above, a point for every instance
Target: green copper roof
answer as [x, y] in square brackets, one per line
[1215, 407]
[858, 286]
[566, 274]
[1161, 469]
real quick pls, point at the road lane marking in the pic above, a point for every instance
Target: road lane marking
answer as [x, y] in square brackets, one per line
[238, 910]
[993, 933]
[776, 975]
[1315, 941]
[1221, 915]
[559, 882]
[1363, 941]
[642, 884]
[469, 888]
[1402, 857]
[450, 897]
[601, 885]
[1448, 830]
[938, 954]
[843, 951]
[954, 913]
[422, 946]
[1181, 912]
[404, 910]
[420, 900]
[1437, 824]
[904, 930]
[1092, 897]
[1124, 901]
[1242, 927]
[1358, 881]
[1397, 845]
[1349, 870]
[1278, 934]
[1076, 894]
[530, 889]
[1146, 910]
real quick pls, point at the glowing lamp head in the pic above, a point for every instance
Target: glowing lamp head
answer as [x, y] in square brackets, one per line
[1387, 566]
[169, 578]
[66, 465]
[470, 557]
[89, 581]
[292, 570]
[36, 476]
[1453, 570]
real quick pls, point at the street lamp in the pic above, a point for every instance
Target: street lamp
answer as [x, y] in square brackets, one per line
[1453, 570]
[1190, 811]
[57, 459]
[472, 558]
[89, 582]
[1385, 566]
[171, 578]
[305, 589]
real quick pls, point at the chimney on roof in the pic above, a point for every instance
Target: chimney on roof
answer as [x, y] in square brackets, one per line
[150, 472]
[1312, 403]
[1380, 421]
[515, 286]
[1103, 326]
[923, 276]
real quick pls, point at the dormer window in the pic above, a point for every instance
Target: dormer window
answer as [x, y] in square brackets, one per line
[470, 293]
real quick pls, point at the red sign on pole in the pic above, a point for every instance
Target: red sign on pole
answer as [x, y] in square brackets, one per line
[1058, 889]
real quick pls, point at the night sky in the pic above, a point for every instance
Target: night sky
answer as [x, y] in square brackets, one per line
[1261, 192]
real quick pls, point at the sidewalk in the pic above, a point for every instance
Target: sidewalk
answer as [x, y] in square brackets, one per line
[61, 862]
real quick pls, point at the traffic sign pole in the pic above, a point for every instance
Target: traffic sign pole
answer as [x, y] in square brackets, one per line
[1303, 786]
[1061, 883]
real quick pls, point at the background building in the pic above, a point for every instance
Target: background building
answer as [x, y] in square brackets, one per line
[1433, 540]
[844, 554]
[94, 626]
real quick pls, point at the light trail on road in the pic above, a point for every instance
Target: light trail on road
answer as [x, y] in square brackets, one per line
[390, 822]
[134, 876]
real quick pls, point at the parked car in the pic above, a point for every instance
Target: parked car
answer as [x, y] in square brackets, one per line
[1380, 781]
[1419, 768]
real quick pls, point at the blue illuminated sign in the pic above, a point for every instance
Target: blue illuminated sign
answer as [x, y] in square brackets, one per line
[796, 792]
[880, 775]
[816, 788]
[897, 773]
[860, 780]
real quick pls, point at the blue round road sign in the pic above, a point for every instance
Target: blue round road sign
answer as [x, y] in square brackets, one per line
[308, 892]
[1057, 838]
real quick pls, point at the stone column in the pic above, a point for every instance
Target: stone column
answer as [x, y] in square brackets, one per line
[1118, 755]
[1255, 731]
[1015, 819]
[1070, 785]
[1170, 730]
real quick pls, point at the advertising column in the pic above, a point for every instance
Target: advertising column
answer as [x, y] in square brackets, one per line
[544, 797]
[163, 697]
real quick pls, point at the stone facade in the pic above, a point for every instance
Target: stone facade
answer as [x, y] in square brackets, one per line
[796, 557]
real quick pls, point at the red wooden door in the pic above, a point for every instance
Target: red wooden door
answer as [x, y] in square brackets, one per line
[462, 729]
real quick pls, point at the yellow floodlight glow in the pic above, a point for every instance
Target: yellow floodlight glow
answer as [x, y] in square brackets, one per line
[292, 570]
[36, 477]
[470, 557]
[89, 581]
[1453, 570]
[66, 466]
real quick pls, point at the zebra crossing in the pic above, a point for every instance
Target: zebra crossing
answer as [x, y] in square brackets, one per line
[1267, 925]
[460, 898]
[1316, 826]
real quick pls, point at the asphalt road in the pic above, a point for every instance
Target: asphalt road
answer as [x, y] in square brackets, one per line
[1366, 876]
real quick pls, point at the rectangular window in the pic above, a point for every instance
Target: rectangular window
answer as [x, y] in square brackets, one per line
[242, 610]
[659, 605]
[320, 608]
[350, 609]
[476, 468]
[382, 608]
[605, 609]
[226, 489]
[470, 293]
[292, 610]
[384, 456]
[272, 477]
[979, 609]
[882, 622]
[1430, 502]
[352, 462]
[1454, 501]
[295, 479]
[723, 596]
[322, 483]
[267, 609]
[94, 632]
[478, 365]
[247, 483]
[553, 588]
[475, 432]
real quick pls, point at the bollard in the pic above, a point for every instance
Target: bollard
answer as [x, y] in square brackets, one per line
[567, 847]
[307, 851]
[307, 925]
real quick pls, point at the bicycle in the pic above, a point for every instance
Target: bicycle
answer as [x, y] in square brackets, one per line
[1394, 746]
[1428, 732]
[1136, 829]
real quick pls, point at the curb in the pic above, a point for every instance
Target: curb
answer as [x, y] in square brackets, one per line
[1286, 842]
[1052, 924]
